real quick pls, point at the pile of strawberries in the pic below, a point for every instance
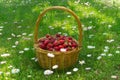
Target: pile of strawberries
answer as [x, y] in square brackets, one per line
[57, 42]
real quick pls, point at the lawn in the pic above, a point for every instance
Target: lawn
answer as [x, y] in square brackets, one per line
[99, 58]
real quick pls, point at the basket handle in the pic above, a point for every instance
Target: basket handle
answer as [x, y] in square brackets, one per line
[61, 8]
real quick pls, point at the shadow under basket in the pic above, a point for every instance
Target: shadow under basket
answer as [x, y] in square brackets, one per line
[62, 59]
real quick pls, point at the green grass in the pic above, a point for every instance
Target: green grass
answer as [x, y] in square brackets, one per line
[99, 15]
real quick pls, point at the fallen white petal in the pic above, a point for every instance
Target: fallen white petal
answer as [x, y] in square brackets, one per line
[89, 55]
[3, 62]
[30, 35]
[88, 68]
[26, 49]
[24, 34]
[16, 43]
[103, 54]
[82, 62]
[90, 47]
[1, 72]
[5, 55]
[13, 46]
[14, 71]
[68, 73]
[117, 51]
[114, 77]
[29, 76]
[10, 66]
[99, 57]
[9, 38]
[21, 52]
[48, 72]
[18, 35]
[63, 50]
[51, 55]
[0, 34]
[75, 69]
[13, 35]
[33, 58]
[109, 54]
[55, 67]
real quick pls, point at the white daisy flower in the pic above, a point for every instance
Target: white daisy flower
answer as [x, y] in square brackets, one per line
[55, 67]
[29, 76]
[0, 34]
[48, 72]
[105, 50]
[24, 34]
[13, 46]
[1, 27]
[63, 50]
[68, 73]
[10, 66]
[13, 35]
[33, 58]
[90, 47]
[103, 54]
[75, 69]
[81, 62]
[30, 35]
[7, 73]
[18, 35]
[16, 43]
[3, 62]
[99, 57]
[111, 40]
[1, 72]
[21, 52]
[59, 32]
[109, 54]
[88, 68]
[36, 59]
[26, 49]
[5, 55]
[68, 16]
[14, 71]
[114, 76]
[117, 52]
[109, 26]
[9, 38]
[106, 47]
[89, 55]
[51, 55]
[90, 27]
[19, 26]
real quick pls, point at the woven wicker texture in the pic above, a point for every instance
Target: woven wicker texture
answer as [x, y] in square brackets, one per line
[62, 59]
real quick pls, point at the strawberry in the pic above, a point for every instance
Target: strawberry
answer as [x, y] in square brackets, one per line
[42, 46]
[46, 42]
[47, 35]
[61, 41]
[61, 46]
[57, 48]
[58, 35]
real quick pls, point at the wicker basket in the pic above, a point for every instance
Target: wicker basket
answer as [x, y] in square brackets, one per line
[62, 59]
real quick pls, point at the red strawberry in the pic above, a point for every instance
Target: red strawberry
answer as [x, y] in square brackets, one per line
[57, 48]
[50, 49]
[55, 43]
[58, 35]
[61, 46]
[61, 41]
[49, 45]
[69, 38]
[47, 35]
[46, 42]
[42, 46]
